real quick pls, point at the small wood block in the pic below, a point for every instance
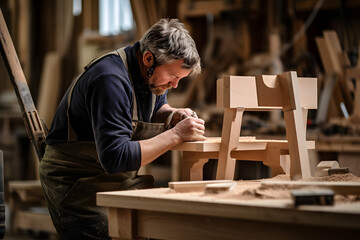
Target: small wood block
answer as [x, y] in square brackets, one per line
[328, 165]
[323, 167]
[219, 187]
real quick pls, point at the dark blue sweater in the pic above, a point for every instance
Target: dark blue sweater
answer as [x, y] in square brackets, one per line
[101, 111]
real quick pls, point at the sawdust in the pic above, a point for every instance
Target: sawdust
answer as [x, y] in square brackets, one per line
[257, 191]
[346, 177]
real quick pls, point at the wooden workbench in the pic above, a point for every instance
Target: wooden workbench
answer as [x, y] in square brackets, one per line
[165, 214]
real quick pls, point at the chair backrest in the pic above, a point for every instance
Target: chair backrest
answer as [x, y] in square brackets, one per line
[262, 92]
[285, 91]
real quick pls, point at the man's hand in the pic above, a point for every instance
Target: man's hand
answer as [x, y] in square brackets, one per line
[181, 114]
[190, 129]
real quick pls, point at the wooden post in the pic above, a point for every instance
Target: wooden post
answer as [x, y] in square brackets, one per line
[229, 140]
[122, 224]
[192, 166]
[295, 131]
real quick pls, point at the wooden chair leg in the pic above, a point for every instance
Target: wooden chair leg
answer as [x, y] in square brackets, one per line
[196, 172]
[295, 131]
[285, 163]
[229, 140]
[192, 167]
[273, 160]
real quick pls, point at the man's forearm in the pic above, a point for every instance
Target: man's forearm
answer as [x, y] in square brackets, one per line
[158, 145]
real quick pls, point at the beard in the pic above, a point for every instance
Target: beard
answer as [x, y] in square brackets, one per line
[160, 89]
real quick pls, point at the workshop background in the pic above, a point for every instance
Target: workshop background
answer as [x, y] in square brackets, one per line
[55, 39]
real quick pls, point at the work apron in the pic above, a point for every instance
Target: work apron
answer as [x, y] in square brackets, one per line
[71, 175]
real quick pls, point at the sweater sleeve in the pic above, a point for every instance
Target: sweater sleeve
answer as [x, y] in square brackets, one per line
[109, 103]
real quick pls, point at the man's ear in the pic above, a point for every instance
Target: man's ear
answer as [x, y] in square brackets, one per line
[148, 59]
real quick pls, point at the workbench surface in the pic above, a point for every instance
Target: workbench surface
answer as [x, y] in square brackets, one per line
[165, 214]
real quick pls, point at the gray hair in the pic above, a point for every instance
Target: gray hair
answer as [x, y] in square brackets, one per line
[168, 40]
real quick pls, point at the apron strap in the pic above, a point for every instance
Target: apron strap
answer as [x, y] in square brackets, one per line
[122, 54]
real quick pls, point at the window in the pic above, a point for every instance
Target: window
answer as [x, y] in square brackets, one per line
[115, 17]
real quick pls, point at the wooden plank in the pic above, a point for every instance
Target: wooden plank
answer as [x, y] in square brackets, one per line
[200, 8]
[211, 144]
[191, 186]
[140, 16]
[214, 7]
[17, 185]
[50, 80]
[153, 15]
[237, 91]
[90, 15]
[24, 37]
[308, 92]
[28, 191]
[324, 55]
[325, 98]
[334, 48]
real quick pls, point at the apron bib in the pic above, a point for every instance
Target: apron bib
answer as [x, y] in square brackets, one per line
[71, 175]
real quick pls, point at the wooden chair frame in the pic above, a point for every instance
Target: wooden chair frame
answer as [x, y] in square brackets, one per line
[236, 94]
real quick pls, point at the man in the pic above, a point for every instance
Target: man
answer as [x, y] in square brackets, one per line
[113, 119]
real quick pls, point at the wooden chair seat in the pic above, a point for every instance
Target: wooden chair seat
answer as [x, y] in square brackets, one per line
[271, 152]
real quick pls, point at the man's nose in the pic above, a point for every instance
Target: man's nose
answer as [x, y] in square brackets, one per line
[174, 83]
